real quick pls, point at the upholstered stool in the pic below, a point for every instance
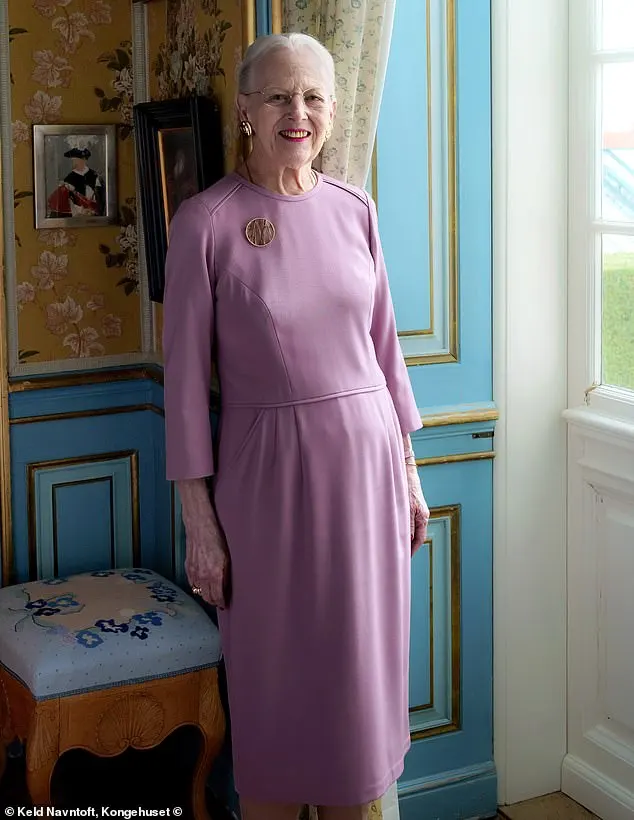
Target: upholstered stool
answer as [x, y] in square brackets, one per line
[103, 661]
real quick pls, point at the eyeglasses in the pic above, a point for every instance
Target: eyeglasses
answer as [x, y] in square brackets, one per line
[278, 98]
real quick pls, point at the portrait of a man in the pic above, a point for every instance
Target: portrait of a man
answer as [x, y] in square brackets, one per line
[82, 192]
[75, 175]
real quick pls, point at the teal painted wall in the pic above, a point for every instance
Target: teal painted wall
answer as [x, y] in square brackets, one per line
[434, 203]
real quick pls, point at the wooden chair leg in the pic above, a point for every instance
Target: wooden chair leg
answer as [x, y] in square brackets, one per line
[211, 722]
[42, 751]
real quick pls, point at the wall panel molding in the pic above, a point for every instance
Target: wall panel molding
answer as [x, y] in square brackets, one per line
[141, 71]
[8, 218]
[46, 479]
[432, 335]
[85, 414]
[442, 714]
[599, 767]
[6, 534]
[154, 374]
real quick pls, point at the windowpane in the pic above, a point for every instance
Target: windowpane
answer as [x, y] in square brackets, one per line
[618, 142]
[617, 19]
[617, 334]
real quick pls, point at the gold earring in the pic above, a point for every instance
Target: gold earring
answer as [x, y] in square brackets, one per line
[245, 128]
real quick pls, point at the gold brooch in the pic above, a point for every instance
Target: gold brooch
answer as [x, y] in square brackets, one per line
[260, 232]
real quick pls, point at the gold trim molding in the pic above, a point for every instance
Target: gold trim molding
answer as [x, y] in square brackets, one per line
[277, 16]
[451, 512]
[6, 530]
[429, 331]
[34, 467]
[460, 417]
[485, 455]
[248, 23]
[154, 374]
[429, 543]
[87, 414]
[452, 200]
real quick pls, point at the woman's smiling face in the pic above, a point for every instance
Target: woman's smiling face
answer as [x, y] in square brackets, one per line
[290, 108]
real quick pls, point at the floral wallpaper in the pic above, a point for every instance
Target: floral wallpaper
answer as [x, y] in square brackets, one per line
[195, 47]
[77, 290]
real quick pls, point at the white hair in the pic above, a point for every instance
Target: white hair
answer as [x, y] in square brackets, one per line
[263, 46]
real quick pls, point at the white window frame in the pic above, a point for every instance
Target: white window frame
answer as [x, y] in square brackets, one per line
[584, 257]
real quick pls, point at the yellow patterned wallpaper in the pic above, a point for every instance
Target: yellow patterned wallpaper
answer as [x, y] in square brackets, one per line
[196, 46]
[71, 63]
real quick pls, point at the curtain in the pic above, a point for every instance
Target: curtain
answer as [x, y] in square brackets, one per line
[357, 33]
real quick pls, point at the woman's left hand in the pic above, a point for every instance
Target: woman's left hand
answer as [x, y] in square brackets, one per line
[418, 509]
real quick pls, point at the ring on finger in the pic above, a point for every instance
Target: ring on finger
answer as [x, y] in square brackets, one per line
[197, 591]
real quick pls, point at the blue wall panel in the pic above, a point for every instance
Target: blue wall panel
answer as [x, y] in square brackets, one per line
[49, 426]
[403, 172]
[403, 191]
[434, 202]
[85, 514]
[466, 751]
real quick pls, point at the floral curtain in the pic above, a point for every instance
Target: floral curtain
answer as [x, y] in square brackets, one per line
[357, 33]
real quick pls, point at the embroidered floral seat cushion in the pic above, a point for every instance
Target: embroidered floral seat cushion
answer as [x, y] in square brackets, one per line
[63, 636]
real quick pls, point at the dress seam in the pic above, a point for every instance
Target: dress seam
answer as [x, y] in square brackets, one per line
[373, 266]
[200, 199]
[270, 315]
[355, 391]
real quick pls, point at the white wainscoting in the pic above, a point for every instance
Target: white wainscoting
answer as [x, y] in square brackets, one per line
[598, 770]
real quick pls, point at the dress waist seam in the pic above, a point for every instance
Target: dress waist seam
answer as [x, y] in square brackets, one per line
[311, 400]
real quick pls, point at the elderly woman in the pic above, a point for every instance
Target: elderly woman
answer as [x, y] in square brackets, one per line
[303, 535]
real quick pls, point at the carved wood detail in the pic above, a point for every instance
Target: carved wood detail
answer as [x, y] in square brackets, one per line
[42, 750]
[210, 713]
[134, 719]
[211, 720]
[43, 740]
[107, 721]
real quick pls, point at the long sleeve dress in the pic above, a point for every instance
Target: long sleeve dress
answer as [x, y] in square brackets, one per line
[309, 479]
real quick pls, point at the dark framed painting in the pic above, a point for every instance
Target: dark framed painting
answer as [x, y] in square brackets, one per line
[179, 153]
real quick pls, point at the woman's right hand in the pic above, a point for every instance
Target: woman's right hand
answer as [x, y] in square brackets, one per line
[207, 562]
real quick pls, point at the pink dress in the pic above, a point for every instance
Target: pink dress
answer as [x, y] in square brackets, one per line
[309, 479]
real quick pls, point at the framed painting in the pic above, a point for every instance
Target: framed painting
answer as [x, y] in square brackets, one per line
[75, 175]
[179, 153]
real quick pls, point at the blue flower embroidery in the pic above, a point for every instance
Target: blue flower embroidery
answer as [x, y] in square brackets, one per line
[51, 582]
[87, 638]
[40, 608]
[36, 604]
[153, 618]
[137, 575]
[109, 625]
[102, 573]
[46, 611]
[163, 593]
[140, 632]
[64, 601]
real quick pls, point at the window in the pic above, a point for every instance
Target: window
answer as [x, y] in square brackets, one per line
[601, 247]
